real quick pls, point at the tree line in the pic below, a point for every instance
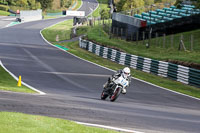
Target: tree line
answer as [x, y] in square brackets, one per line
[122, 5]
[36, 4]
[32, 4]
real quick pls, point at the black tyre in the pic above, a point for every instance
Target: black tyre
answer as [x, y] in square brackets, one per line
[115, 95]
[104, 95]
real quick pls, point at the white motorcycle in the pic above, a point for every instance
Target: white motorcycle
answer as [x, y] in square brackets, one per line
[114, 89]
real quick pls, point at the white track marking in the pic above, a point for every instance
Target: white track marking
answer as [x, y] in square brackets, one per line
[77, 74]
[16, 78]
[109, 127]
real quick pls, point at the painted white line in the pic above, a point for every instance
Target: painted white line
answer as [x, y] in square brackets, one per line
[108, 127]
[166, 89]
[16, 78]
[9, 19]
[77, 74]
[94, 9]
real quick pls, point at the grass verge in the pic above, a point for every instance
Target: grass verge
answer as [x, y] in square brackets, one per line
[62, 30]
[78, 5]
[155, 51]
[3, 13]
[23, 123]
[103, 4]
[8, 83]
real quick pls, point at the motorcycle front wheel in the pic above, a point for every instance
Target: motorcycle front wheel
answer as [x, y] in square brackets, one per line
[115, 94]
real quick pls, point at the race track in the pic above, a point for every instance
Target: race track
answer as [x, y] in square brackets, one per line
[73, 87]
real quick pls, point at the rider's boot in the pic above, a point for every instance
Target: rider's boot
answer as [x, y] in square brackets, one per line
[123, 91]
[105, 86]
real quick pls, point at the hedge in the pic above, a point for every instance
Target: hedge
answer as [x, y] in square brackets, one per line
[4, 7]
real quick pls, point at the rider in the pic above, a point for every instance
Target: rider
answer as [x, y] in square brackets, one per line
[126, 75]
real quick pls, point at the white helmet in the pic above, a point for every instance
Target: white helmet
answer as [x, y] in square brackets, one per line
[126, 72]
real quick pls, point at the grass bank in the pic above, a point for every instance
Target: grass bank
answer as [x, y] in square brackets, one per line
[78, 5]
[76, 50]
[8, 83]
[155, 51]
[23, 123]
[103, 4]
[60, 31]
[3, 13]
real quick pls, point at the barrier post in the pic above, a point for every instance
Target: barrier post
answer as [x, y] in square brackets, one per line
[164, 40]
[143, 37]
[172, 40]
[191, 42]
[156, 43]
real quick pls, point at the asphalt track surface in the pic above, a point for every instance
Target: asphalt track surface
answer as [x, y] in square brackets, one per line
[5, 20]
[73, 87]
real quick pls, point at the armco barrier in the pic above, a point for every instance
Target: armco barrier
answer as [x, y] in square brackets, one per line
[179, 73]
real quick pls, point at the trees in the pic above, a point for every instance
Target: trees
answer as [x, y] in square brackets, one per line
[129, 4]
[33, 4]
[195, 2]
[149, 2]
[65, 3]
[22, 3]
[105, 14]
[45, 3]
[11, 2]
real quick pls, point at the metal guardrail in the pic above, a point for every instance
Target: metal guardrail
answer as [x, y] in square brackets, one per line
[179, 73]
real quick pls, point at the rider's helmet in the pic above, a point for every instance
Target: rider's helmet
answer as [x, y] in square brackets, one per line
[126, 72]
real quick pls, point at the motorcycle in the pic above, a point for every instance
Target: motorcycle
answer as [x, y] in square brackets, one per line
[114, 89]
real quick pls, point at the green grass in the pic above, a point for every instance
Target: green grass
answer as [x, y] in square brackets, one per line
[23, 123]
[79, 3]
[63, 29]
[8, 83]
[103, 4]
[155, 51]
[4, 13]
[49, 17]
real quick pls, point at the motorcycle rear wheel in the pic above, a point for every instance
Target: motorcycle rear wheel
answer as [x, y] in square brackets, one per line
[103, 95]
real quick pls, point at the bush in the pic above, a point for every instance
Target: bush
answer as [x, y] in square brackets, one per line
[105, 14]
[3, 2]
[4, 8]
[68, 4]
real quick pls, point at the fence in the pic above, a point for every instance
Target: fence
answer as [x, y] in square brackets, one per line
[179, 73]
[158, 39]
[173, 41]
